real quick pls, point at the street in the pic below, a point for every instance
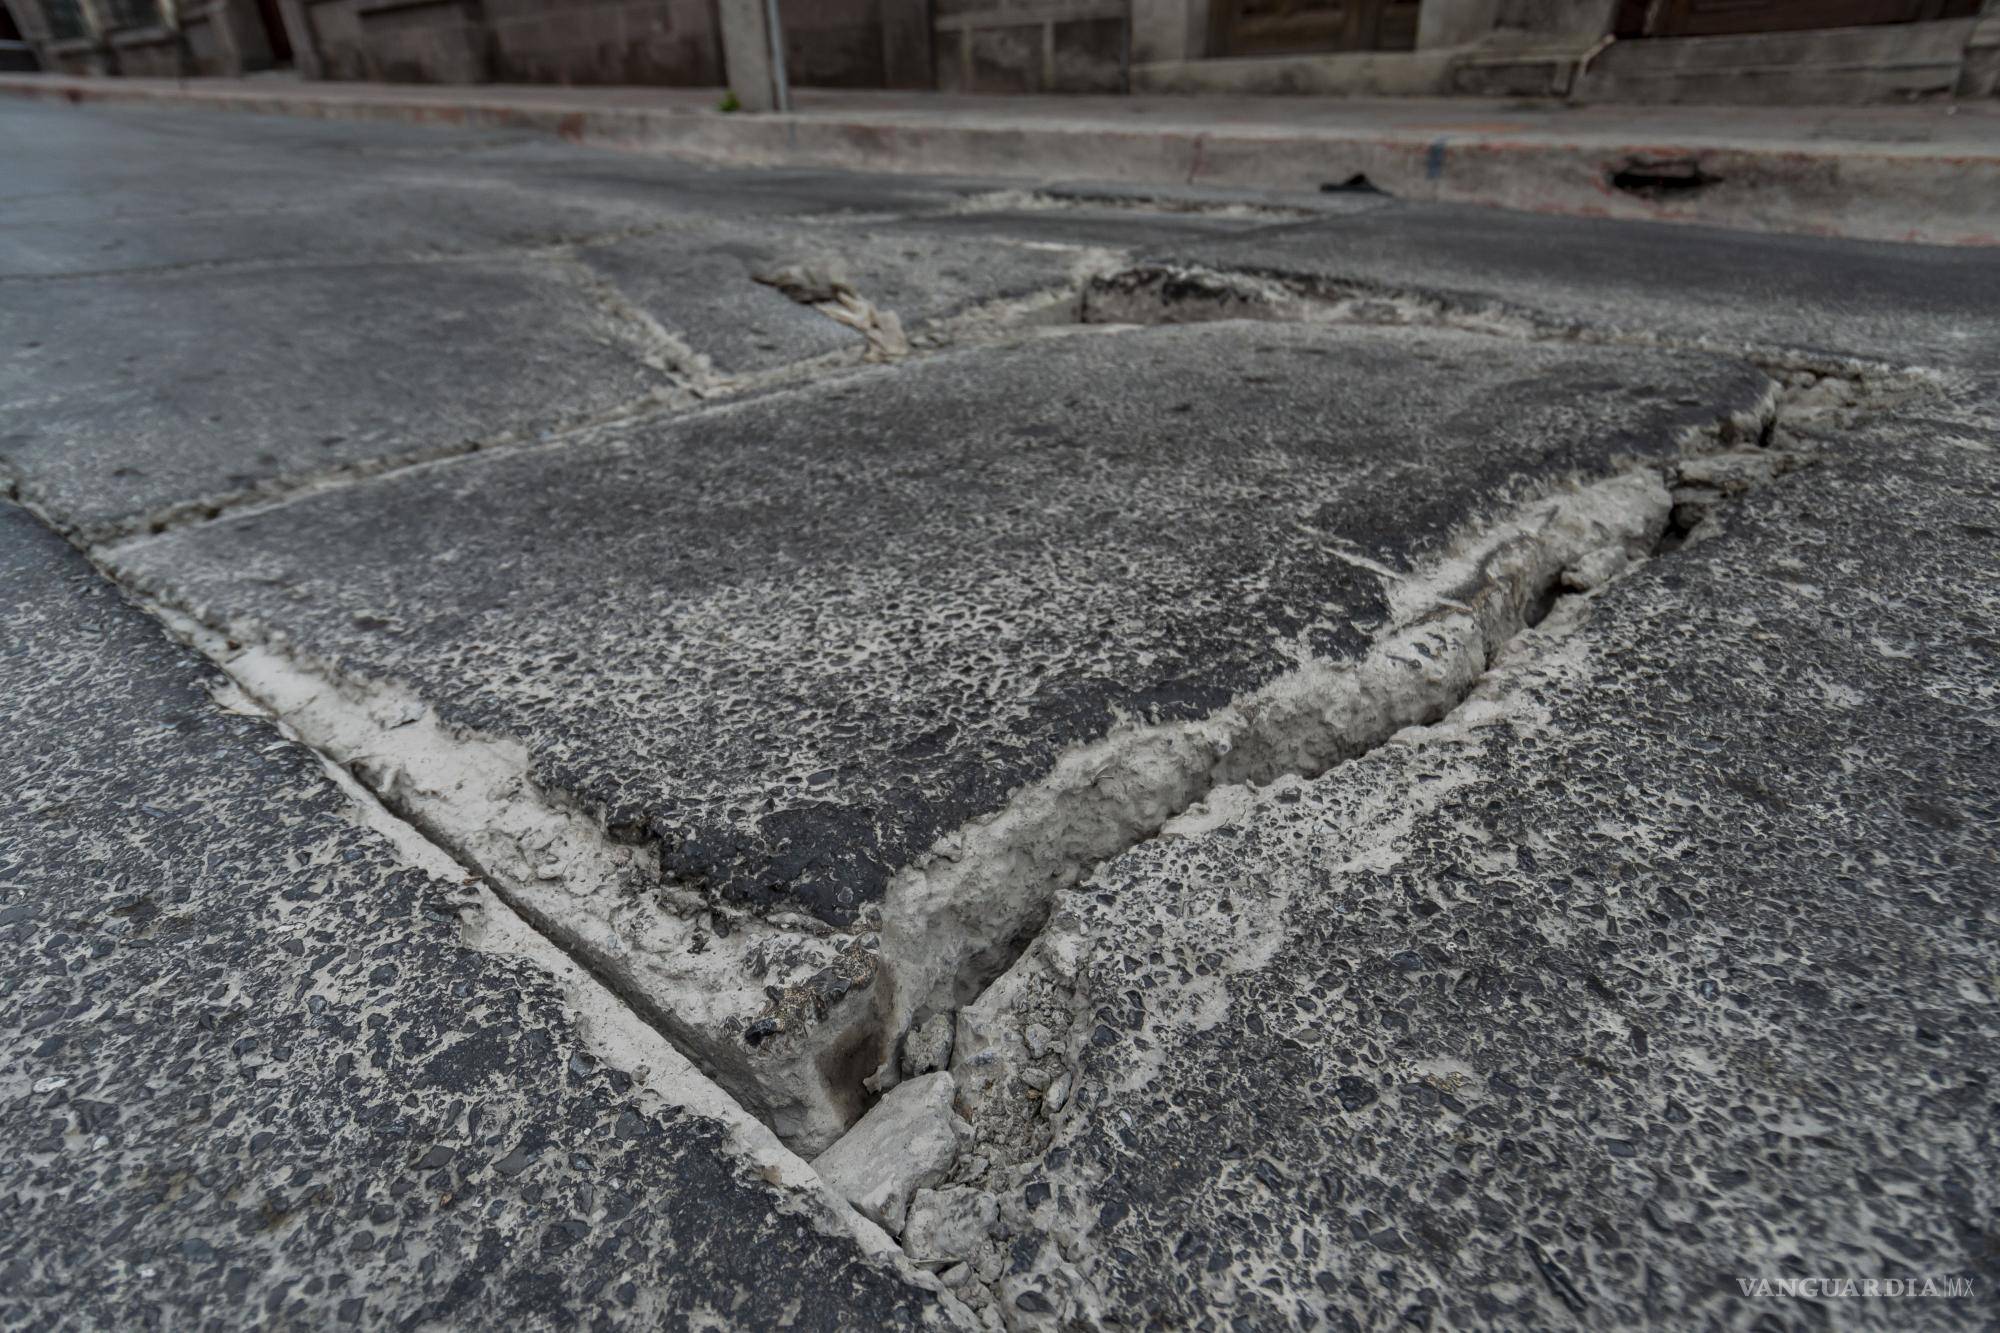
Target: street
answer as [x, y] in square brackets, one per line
[591, 740]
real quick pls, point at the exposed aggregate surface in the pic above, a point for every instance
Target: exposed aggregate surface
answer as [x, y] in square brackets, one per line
[1664, 962]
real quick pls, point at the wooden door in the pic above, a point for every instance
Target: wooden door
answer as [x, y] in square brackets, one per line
[1300, 27]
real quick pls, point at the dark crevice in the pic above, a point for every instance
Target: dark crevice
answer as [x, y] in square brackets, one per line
[1358, 183]
[1660, 177]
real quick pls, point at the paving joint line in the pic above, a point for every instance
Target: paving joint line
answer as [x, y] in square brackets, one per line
[493, 921]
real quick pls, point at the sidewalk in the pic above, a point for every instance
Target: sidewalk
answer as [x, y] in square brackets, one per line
[1909, 173]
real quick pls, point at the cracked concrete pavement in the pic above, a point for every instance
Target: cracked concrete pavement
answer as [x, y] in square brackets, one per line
[256, 1076]
[1402, 765]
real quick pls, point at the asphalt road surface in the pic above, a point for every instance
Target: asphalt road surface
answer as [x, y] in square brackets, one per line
[1217, 764]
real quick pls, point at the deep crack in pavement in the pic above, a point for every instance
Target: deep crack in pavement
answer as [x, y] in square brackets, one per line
[1002, 748]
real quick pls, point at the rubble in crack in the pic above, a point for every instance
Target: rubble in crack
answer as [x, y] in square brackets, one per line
[950, 927]
[824, 285]
[907, 1142]
[1018, 1045]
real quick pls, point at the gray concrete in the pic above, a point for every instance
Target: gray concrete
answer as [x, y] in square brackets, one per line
[826, 628]
[1133, 716]
[134, 402]
[1900, 304]
[747, 50]
[1666, 963]
[253, 1076]
[415, 293]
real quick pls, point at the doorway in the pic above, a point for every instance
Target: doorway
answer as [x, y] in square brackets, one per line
[280, 41]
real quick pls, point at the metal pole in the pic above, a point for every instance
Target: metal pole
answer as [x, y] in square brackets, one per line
[780, 89]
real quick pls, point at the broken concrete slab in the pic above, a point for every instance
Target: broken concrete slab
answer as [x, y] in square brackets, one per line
[252, 1063]
[142, 400]
[1662, 966]
[901, 652]
[1899, 304]
[907, 1142]
[866, 611]
[703, 281]
[414, 294]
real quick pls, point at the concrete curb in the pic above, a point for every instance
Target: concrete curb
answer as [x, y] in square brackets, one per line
[1889, 192]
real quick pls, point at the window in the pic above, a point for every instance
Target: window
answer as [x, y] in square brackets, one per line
[132, 13]
[65, 20]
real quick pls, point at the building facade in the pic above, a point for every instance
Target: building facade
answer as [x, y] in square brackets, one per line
[1628, 50]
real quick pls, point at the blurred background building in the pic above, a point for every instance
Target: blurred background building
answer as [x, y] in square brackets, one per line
[1803, 51]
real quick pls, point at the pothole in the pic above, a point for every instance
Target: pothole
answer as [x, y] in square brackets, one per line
[1166, 293]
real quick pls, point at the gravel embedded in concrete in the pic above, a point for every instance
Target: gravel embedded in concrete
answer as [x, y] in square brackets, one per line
[143, 398]
[798, 639]
[1665, 963]
[251, 1074]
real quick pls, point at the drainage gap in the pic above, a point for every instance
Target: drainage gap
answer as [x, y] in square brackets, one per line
[1660, 177]
[952, 925]
[967, 917]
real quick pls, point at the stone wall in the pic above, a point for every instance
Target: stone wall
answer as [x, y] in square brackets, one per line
[149, 53]
[1032, 46]
[670, 42]
[857, 43]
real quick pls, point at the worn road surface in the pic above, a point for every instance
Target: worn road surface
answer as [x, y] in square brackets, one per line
[592, 742]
